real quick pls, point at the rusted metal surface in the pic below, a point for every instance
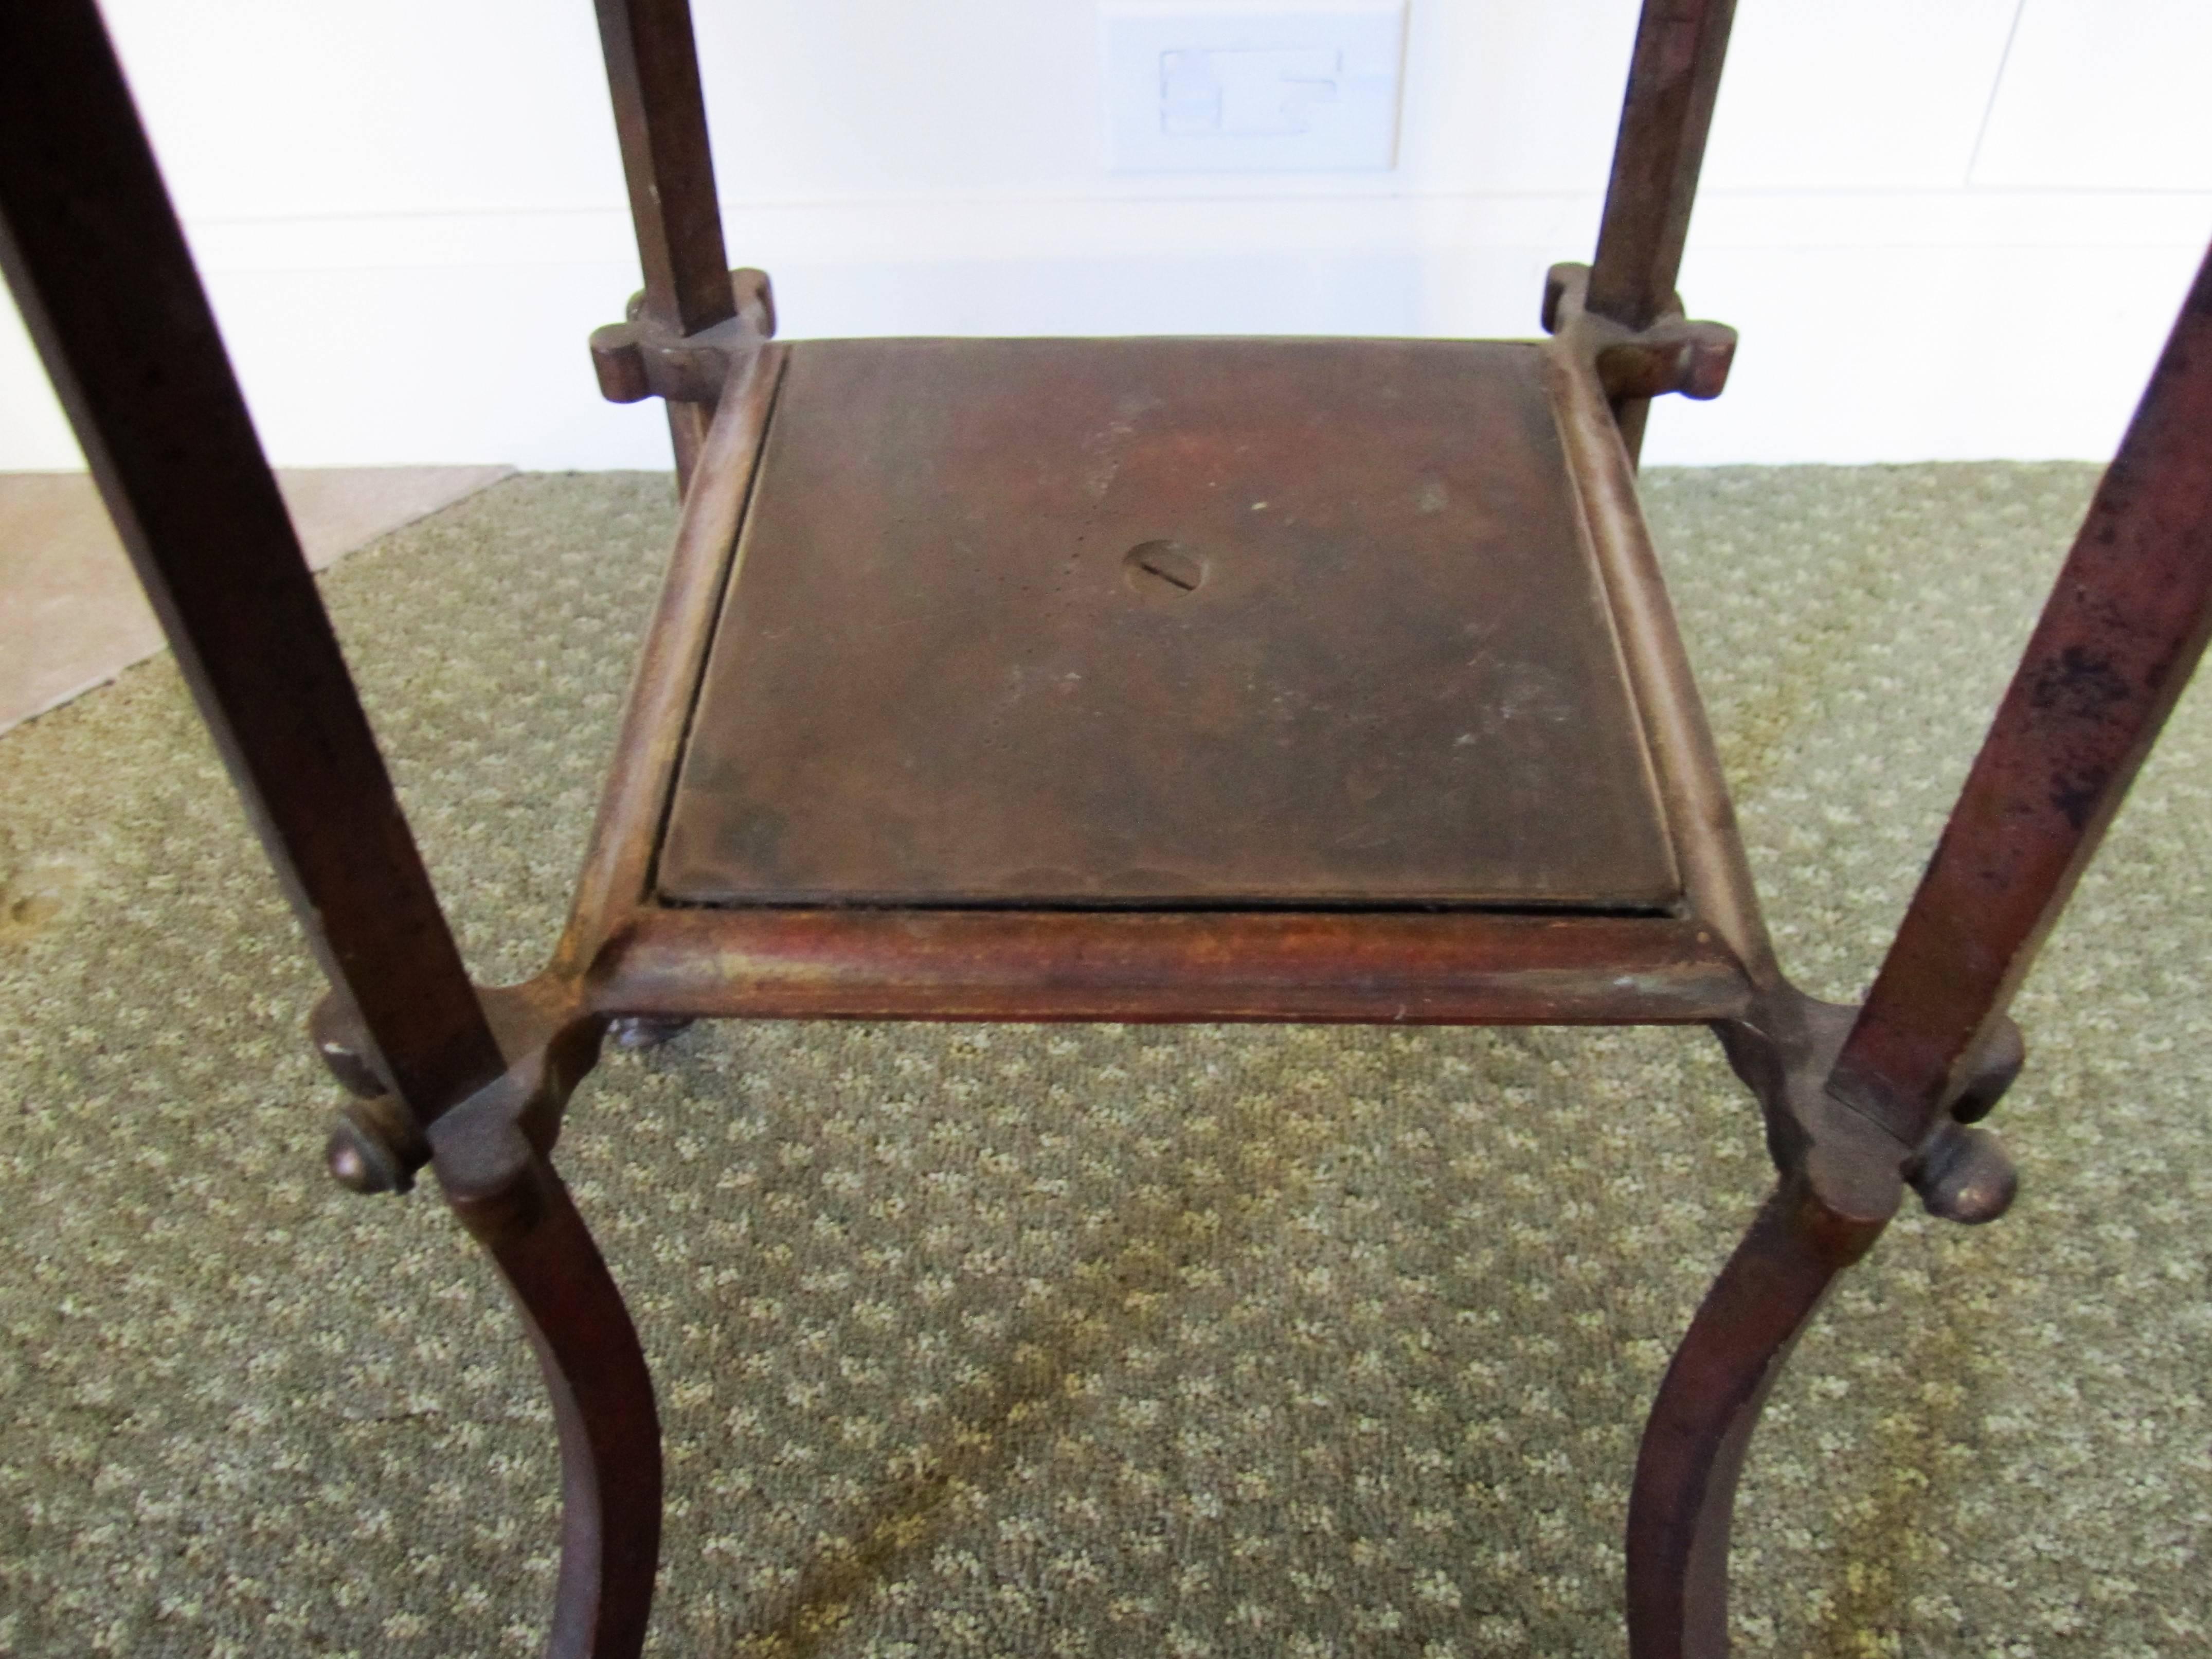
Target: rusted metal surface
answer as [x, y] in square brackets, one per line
[494, 1170]
[100, 270]
[1673, 356]
[2118, 640]
[1682, 1504]
[1380, 967]
[1530, 545]
[661, 118]
[550, 1041]
[1670, 354]
[1674, 78]
[644, 357]
[1166, 622]
[1840, 1179]
[1701, 818]
[619, 858]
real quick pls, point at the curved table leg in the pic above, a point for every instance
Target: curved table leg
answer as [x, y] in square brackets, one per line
[1842, 1175]
[1684, 1499]
[509, 1198]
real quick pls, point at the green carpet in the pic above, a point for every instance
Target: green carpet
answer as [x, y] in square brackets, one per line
[1096, 1340]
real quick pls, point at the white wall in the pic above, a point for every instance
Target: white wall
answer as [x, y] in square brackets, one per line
[1947, 229]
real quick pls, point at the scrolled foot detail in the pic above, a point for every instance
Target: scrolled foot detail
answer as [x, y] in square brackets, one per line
[1841, 1179]
[1682, 1506]
[501, 1185]
[492, 1154]
[1839, 1188]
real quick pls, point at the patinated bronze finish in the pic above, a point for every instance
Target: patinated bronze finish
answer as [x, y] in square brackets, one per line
[1167, 680]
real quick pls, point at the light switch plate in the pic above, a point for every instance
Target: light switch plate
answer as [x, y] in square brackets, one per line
[1252, 85]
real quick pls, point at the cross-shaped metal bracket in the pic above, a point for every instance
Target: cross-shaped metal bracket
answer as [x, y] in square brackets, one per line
[645, 357]
[1671, 354]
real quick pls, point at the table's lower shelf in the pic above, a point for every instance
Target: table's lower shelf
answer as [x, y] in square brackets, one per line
[1166, 622]
[1165, 680]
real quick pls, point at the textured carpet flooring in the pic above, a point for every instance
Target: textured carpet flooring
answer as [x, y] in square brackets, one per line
[1095, 1340]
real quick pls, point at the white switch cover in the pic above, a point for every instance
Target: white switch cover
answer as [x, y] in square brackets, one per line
[1252, 85]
